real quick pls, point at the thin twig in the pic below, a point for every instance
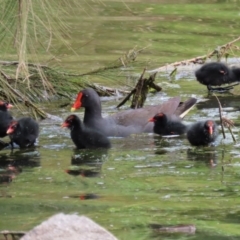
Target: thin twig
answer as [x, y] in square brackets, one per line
[230, 130]
[5, 75]
[224, 121]
[126, 98]
[220, 115]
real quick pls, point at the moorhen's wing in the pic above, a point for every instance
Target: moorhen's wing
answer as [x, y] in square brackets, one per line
[139, 117]
[185, 107]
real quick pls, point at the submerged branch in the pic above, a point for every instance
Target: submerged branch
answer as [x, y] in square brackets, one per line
[139, 92]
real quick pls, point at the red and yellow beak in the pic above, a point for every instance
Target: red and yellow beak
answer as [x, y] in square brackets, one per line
[78, 102]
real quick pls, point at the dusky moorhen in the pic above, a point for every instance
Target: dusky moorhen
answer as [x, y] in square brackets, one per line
[84, 137]
[217, 74]
[23, 132]
[202, 133]
[165, 125]
[4, 106]
[124, 123]
[5, 118]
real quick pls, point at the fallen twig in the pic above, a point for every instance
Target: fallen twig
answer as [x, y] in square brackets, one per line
[219, 52]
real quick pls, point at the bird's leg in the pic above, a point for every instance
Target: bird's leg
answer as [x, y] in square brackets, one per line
[12, 145]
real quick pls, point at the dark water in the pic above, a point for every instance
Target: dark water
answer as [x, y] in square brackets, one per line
[144, 179]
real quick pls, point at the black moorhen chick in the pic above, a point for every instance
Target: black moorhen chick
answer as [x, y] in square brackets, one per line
[202, 133]
[4, 106]
[124, 123]
[216, 74]
[5, 118]
[23, 132]
[84, 137]
[164, 125]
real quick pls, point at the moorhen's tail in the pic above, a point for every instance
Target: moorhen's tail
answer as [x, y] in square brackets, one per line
[235, 74]
[185, 107]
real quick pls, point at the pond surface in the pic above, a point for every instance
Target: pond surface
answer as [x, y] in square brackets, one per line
[143, 179]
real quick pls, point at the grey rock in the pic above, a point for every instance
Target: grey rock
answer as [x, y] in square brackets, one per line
[72, 227]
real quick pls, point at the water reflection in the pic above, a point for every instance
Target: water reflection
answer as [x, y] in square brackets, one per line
[227, 101]
[86, 196]
[210, 156]
[8, 173]
[13, 163]
[3, 145]
[167, 144]
[87, 163]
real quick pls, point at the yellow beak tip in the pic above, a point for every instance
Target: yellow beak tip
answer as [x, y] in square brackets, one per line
[73, 109]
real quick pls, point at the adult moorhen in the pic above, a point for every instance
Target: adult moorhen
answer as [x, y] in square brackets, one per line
[5, 118]
[23, 132]
[124, 123]
[216, 74]
[84, 137]
[202, 133]
[165, 125]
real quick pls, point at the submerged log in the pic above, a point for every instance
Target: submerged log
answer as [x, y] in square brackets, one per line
[180, 228]
[13, 234]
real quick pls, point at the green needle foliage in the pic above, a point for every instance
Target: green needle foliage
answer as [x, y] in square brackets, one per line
[27, 30]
